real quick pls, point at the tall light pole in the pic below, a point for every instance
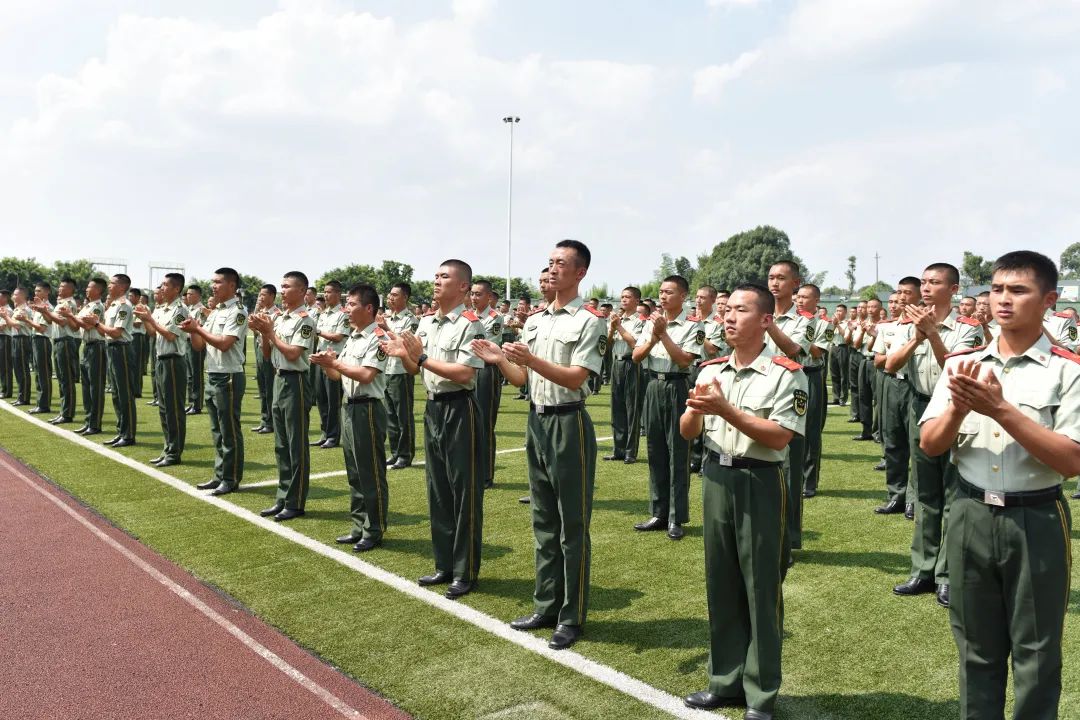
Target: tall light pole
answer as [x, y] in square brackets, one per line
[510, 120]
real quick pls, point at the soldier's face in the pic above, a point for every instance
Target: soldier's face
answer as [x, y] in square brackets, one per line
[894, 306]
[565, 269]
[116, 290]
[333, 297]
[41, 293]
[672, 296]
[873, 309]
[18, 296]
[222, 289]
[360, 315]
[309, 296]
[806, 300]
[265, 298]
[703, 301]
[479, 296]
[841, 314]
[967, 307]
[192, 298]
[935, 288]
[396, 299]
[982, 307]
[627, 302]
[292, 292]
[1016, 300]
[744, 321]
[781, 282]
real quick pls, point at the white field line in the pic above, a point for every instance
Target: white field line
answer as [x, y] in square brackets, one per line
[599, 672]
[249, 642]
[341, 473]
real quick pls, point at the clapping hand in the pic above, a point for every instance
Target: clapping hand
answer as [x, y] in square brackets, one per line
[659, 324]
[405, 345]
[708, 399]
[487, 351]
[518, 353]
[326, 358]
[971, 393]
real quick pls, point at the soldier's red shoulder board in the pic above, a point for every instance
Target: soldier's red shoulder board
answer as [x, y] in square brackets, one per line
[718, 318]
[643, 317]
[537, 310]
[429, 312]
[805, 314]
[714, 361]
[693, 318]
[968, 321]
[1062, 352]
[786, 362]
[470, 316]
[379, 332]
[492, 313]
[302, 314]
[965, 351]
[593, 310]
[1062, 315]
[885, 322]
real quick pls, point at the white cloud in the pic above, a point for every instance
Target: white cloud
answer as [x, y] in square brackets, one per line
[927, 82]
[732, 3]
[710, 81]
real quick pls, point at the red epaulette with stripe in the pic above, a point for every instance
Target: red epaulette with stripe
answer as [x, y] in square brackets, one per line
[593, 310]
[965, 351]
[379, 332]
[1062, 315]
[808, 315]
[429, 312]
[718, 318]
[786, 362]
[968, 321]
[644, 317]
[492, 313]
[301, 314]
[537, 310]
[714, 361]
[1062, 352]
[470, 316]
[693, 318]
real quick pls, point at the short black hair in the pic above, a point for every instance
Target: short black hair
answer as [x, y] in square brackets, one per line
[578, 247]
[336, 286]
[1042, 267]
[546, 269]
[272, 289]
[967, 297]
[874, 299]
[910, 281]
[5, 291]
[298, 277]
[841, 305]
[403, 287]
[710, 289]
[229, 275]
[123, 280]
[763, 298]
[793, 266]
[634, 290]
[952, 275]
[367, 294]
[101, 283]
[43, 284]
[485, 283]
[196, 288]
[607, 305]
[136, 292]
[67, 279]
[461, 267]
[678, 280]
[984, 294]
[175, 279]
[812, 286]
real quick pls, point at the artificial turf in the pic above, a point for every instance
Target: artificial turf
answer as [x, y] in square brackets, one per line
[852, 649]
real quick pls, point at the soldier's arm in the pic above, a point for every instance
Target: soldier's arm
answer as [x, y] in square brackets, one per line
[899, 357]
[784, 343]
[680, 357]
[218, 342]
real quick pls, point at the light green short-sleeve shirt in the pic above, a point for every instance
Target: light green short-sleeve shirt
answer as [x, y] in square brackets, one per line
[404, 321]
[922, 368]
[449, 338]
[119, 315]
[364, 348]
[633, 324]
[169, 316]
[686, 331]
[572, 335]
[819, 334]
[795, 325]
[294, 327]
[1062, 327]
[40, 319]
[97, 309]
[228, 318]
[62, 329]
[333, 321]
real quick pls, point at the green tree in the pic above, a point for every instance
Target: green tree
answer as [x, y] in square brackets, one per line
[349, 275]
[684, 268]
[15, 272]
[599, 291]
[975, 270]
[745, 257]
[1070, 261]
[518, 286]
[81, 271]
[868, 292]
[836, 290]
[422, 290]
[850, 275]
[390, 273]
[250, 286]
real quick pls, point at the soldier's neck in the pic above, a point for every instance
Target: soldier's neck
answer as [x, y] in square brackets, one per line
[783, 306]
[1016, 341]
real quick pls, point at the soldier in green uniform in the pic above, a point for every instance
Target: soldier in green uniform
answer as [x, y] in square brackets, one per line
[704, 301]
[264, 368]
[359, 368]
[286, 340]
[41, 344]
[332, 328]
[400, 385]
[856, 318]
[627, 376]
[159, 300]
[751, 405]
[196, 359]
[669, 343]
[488, 378]
[838, 357]
[441, 352]
[22, 344]
[138, 349]
[921, 346]
[560, 348]
[315, 304]
[166, 321]
[1009, 414]
[116, 327]
[65, 341]
[862, 345]
[92, 368]
[224, 337]
[820, 333]
[6, 376]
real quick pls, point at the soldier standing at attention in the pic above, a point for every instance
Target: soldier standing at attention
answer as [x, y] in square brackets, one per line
[441, 352]
[332, 328]
[751, 405]
[116, 327]
[560, 348]
[286, 340]
[853, 328]
[264, 368]
[400, 385]
[838, 357]
[363, 417]
[157, 314]
[315, 304]
[862, 344]
[704, 300]
[921, 346]
[627, 386]
[1009, 415]
[820, 333]
[65, 339]
[488, 378]
[196, 359]
[92, 370]
[669, 343]
[42, 355]
[171, 372]
[5, 345]
[22, 344]
[137, 349]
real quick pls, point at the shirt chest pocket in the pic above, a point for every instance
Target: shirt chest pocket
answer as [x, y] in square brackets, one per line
[1039, 404]
[757, 404]
[448, 344]
[563, 344]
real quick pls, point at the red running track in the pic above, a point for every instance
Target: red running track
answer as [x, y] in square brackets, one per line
[95, 625]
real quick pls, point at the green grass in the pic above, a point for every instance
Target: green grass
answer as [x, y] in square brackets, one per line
[852, 649]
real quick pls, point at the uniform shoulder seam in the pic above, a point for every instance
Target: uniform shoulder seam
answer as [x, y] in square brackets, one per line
[786, 362]
[714, 361]
[965, 351]
[968, 321]
[1062, 352]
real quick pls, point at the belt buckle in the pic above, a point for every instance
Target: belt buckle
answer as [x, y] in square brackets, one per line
[540, 409]
[661, 376]
[430, 396]
[990, 497]
[724, 459]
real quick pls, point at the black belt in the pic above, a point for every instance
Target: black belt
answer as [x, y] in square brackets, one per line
[95, 342]
[628, 356]
[119, 342]
[170, 356]
[444, 396]
[811, 368]
[361, 400]
[289, 372]
[220, 372]
[919, 395]
[742, 463]
[557, 409]
[668, 376]
[1008, 499]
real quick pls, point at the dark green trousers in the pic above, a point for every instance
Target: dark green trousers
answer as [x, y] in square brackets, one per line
[224, 397]
[561, 452]
[627, 400]
[400, 423]
[1010, 591]
[291, 408]
[134, 366]
[92, 374]
[43, 366]
[839, 362]
[935, 484]
[745, 556]
[171, 391]
[6, 376]
[488, 396]
[123, 396]
[22, 359]
[363, 438]
[264, 379]
[452, 464]
[328, 399]
[855, 359]
[144, 352]
[793, 474]
[896, 408]
[815, 422]
[153, 370]
[866, 395]
[669, 453]
[66, 357]
[877, 380]
[196, 362]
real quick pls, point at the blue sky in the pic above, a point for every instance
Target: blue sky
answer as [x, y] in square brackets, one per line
[273, 136]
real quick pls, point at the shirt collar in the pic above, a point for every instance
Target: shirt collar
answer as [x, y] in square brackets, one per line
[366, 332]
[452, 315]
[1039, 351]
[571, 307]
[759, 365]
[297, 311]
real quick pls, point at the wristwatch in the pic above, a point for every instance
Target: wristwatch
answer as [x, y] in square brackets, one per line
[421, 360]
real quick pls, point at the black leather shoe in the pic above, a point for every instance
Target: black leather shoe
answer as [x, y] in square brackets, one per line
[153, 403]
[123, 442]
[20, 404]
[399, 464]
[265, 431]
[318, 442]
[273, 509]
[757, 715]
[391, 461]
[525, 500]
[459, 588]
[880, 466]
[564, 636]
[862, 438]
[909, 511]
[630, 460]
[258, 428]
[892, 507]
[80, 431]
[193, 411]
[88, 433]
[167, 462]
[113, 441]
[943, 595]
[156, 460]
[809, 493]
[329, 445]
[439, 577]
[651, 524]
[695, 467]
[614, 457]
[534, 622]
[675, 531]
[37, 411]
[348, 539]
[853, 420]
[213, 485]
[288, 514]
[706, 700]
[915, 586]
[223, 490]
[366, 544]
[1075, 495]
